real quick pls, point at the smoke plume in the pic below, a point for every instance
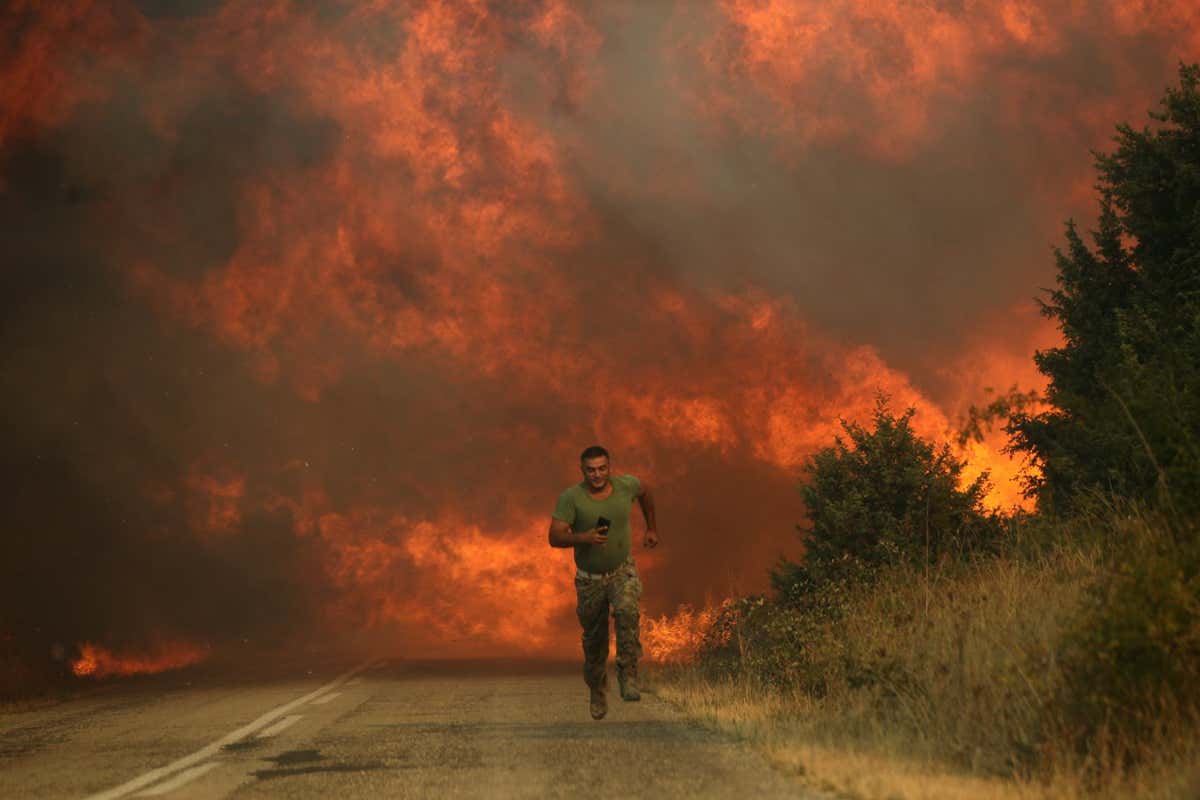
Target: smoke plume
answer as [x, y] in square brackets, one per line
[310, 306]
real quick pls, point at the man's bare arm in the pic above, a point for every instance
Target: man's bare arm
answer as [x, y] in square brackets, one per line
[646, 501]
[561, 535]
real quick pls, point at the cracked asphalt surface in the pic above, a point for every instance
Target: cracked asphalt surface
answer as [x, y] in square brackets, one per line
[394, 729]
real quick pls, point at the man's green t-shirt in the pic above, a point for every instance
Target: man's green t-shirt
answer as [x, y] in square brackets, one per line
[577, 508]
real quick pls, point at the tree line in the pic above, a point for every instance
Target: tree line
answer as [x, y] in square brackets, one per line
[1122, 411]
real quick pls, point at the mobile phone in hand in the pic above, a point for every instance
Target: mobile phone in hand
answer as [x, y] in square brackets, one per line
[603, 522]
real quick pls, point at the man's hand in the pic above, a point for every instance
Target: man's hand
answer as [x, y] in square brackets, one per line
[597, 536]
[650, 540]
[561, 535]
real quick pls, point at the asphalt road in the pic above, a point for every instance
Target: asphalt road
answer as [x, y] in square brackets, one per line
[381, 729]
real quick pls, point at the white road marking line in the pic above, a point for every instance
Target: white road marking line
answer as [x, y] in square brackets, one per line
[320, 701]
[229, 738]
[179, 780]
[286, 722]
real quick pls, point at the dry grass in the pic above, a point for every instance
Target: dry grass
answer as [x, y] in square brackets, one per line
[939, 684]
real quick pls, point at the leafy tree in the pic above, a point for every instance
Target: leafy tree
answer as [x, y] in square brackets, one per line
[882, 496]
[980, 420]
[1125, 385]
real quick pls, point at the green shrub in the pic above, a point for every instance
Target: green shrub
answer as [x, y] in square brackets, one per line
[957, 663]
[777, 646]
[884, 497]
[1074, 653]
[1133, 653]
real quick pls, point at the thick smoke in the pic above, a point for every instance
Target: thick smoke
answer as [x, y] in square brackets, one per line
[310, 307]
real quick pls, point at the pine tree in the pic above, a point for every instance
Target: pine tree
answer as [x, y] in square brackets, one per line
[1125, 385]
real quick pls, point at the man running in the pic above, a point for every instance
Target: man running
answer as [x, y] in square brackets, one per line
[593, 517]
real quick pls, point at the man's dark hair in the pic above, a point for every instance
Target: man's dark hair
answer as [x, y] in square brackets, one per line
[595, 451]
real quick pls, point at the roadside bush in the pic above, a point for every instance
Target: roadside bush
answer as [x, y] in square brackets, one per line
[957, 663]
[1076, 650]
[1132, 656]
[777, 646]
[881, 497]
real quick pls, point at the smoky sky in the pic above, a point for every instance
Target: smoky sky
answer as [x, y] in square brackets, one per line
[306, 318]
[901, 253]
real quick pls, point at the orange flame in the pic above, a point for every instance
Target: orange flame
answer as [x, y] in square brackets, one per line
[443, 581]
[98, 662]
[677, 638]
[445, 222]
[900, 63]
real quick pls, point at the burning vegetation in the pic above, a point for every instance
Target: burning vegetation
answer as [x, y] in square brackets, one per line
[97, 662]
[676, 638]
[1058, 650]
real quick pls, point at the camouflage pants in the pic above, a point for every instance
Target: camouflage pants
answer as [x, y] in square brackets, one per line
[620, 592]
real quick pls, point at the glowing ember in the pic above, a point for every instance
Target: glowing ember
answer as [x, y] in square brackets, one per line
[98, 662]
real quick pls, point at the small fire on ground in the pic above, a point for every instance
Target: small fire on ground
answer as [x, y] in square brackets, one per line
[98, 662]
[675, 639]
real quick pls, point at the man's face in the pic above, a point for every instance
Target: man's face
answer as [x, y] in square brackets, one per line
[595, 471]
